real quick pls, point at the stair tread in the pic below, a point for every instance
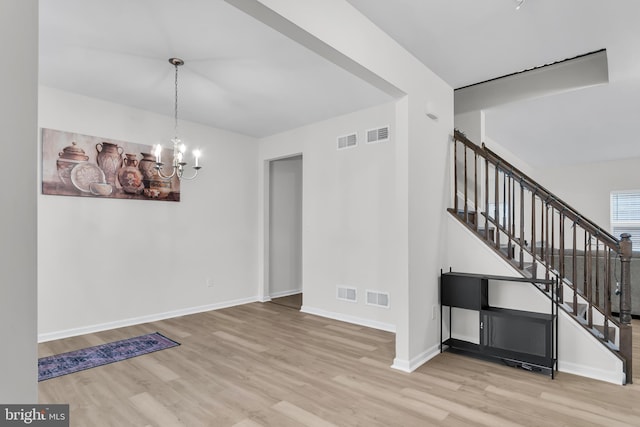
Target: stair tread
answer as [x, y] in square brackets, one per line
[611, 345]
[612, 331]
[582, 309]
[580, 304]
[601, 327]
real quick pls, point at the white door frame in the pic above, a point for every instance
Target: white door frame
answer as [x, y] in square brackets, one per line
[266, 201]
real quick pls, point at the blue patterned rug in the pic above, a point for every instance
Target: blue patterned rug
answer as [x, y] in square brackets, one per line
[86, 358]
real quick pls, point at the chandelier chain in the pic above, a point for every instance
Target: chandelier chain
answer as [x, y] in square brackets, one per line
[175, 116]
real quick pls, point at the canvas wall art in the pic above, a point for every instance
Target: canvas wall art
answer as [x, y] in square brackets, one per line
[89, 166]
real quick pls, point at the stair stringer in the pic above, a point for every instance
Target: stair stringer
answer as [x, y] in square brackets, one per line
[582, 354]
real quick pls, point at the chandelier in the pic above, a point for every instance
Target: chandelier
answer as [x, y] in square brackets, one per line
[178, 163]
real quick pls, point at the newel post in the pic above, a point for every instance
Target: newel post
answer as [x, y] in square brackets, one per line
[625, 286]
[626, 248]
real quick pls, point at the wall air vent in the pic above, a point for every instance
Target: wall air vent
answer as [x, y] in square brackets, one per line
[379, 299]
[347, 141]
[346, 293]
[378, 135]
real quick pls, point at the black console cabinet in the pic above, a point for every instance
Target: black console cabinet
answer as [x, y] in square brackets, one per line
[519, 338]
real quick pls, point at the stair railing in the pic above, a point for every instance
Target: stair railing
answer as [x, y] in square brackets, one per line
[541, 234]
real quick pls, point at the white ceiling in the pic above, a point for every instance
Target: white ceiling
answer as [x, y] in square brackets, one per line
[469, 41]
[243, 76]
[239, 74]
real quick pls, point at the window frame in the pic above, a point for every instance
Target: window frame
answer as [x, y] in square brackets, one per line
[628, 225]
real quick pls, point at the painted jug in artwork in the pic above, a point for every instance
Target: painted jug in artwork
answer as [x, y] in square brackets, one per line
[148, 168]
[129, 176]
[68, 158]
[155, 187]
[110, 160]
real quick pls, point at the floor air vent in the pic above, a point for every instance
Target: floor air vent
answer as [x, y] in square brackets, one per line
[346, 294]
[378, 135]
[379, 299]
[347, 141]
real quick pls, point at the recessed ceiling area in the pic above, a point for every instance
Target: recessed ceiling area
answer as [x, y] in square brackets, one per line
[470, 41]
[239, 74]
[243, 76]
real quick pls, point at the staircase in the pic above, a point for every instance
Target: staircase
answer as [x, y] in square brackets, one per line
[543, 237]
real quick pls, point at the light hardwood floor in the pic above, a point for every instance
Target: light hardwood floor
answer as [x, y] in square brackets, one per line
[268, 365]
[292, 301]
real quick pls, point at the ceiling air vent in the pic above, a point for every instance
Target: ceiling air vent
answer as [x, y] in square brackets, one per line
[347, 141]
[378, 135]
[379, 299]
[345, 293]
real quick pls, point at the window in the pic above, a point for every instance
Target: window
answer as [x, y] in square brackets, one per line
[625, 213]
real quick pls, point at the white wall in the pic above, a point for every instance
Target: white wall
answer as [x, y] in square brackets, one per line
[348, 213]
[285, 226]
[473, 125]
[586, 187]
[429, 196]
[18, 120]
[421, 148]
[106, 262]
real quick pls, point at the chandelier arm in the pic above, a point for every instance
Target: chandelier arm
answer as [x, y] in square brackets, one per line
[162, 175]
[189, 178]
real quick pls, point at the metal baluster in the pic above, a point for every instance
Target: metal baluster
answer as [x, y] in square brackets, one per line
[475, 190]
[504, 200]
[509, 203]
[466, 208]
[597, 272]
[574, 257]
[553, 239]
[584, 265]
[497, 205]
[546, 244]
[588, 267]
[486, 198]
[562, 221]
[542, 228]
[513, 206]
[533, 223]
[521, 225]
[455, 174]
[607, 293]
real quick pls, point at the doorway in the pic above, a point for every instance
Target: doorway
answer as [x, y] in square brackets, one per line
[285, 232]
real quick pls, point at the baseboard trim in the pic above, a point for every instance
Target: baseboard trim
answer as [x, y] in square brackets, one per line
[50, 336]
[417, 361]
[590, 372]
[388, 327]
[284, 293]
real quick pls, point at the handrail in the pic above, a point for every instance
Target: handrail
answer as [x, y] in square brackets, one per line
[538, 189]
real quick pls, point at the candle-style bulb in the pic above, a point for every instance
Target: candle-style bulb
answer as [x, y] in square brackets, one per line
[196, 156]
[158, 153]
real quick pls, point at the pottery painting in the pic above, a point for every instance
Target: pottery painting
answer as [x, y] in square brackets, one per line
[88, 166]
